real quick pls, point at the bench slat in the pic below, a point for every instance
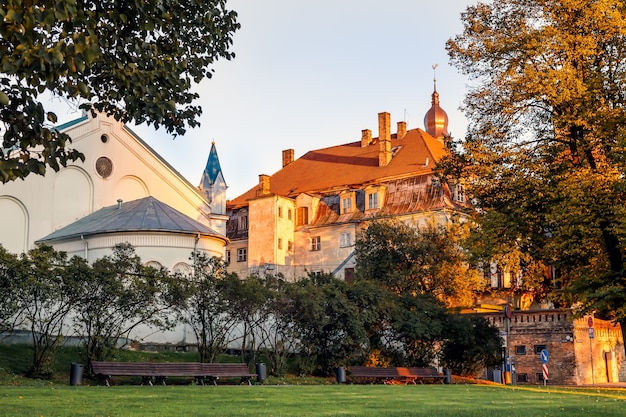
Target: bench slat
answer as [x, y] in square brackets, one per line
[161, 370]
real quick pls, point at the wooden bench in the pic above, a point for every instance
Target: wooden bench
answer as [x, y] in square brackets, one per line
[159, 371]
[149, 371]
[427, 373]
[395, 374]
[215, 371]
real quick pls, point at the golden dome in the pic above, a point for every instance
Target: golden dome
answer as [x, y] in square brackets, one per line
[436, 119]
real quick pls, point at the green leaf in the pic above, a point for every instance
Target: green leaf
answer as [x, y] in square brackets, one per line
[4, 99]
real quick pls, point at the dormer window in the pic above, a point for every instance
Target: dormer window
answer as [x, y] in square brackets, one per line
[243, 222]
[302, 216]
[459, 193]
[372, 200]
[346, 205]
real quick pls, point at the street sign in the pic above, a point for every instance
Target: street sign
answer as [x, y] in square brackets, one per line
[590, 321]
[544, 356]
[591, 333]
[508, 311]
[544, 369]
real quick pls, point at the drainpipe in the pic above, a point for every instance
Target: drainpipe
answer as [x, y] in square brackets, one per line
[195, 254]
[86, 246]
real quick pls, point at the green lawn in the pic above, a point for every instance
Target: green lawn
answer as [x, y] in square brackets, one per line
[310, 400]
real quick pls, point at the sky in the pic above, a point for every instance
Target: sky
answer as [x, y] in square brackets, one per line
[310, 74]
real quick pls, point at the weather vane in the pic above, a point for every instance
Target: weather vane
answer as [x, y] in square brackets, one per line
[435, 74]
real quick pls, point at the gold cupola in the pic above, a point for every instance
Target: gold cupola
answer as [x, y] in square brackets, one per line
[436, 119]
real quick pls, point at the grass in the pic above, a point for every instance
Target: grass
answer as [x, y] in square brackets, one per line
[310, 400]
[280, 397]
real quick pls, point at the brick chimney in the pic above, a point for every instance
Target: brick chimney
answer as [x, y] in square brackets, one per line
[287, 157]
[264, 184]
[401, 130]
[384, 139]
[366, 137]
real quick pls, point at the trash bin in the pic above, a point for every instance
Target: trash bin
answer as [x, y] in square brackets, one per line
[447, 379]
[341, 374]
[261, 372]
[76, 374]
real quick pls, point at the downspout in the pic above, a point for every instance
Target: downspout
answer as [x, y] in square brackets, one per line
[86, 247]
[195, 254]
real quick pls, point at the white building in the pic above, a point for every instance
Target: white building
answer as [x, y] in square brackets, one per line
[123, 192]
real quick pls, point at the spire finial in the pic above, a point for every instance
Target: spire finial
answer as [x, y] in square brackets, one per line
[435, 76]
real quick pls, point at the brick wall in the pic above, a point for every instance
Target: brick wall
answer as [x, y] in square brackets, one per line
[567, 341]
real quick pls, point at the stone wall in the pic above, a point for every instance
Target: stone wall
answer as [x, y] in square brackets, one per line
[567, 341]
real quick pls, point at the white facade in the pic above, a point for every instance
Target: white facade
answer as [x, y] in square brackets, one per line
[119, 168]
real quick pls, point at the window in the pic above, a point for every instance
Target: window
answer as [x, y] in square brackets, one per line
[372, 201]
[289, 214]
[280, 212]
[243, 223]
[540, 377]
[289, 245]
[520, 350]
[302, 216]
[228, 256]
[242, 255]
[348, 274]
[316, 243]
[344, 240]
[280, 243]
[459, 193]
[539, 348]
[522, 377]
[346, 205]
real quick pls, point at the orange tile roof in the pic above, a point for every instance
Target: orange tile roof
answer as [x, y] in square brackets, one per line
[350, 165]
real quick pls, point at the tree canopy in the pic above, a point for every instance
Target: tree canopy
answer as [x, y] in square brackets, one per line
[134, 60]
[425, 260]
[544, 156]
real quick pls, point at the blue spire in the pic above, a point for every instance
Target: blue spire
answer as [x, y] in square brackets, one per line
[212, 169]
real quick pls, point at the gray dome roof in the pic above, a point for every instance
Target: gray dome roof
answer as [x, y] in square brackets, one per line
[144, 215]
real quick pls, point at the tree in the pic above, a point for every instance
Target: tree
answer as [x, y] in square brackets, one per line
[409, 260]
[11, 287]
[50, 290]
[326, 323]
[206, 308]
[545, 149]
[417, 327]
[137, 61]
[472, 344]
[118, 294]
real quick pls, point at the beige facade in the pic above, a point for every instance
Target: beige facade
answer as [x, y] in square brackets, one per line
[306, 217]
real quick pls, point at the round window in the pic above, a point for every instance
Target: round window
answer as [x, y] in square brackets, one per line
[104, 167]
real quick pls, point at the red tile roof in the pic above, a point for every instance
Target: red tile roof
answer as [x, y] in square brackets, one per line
[350, 165]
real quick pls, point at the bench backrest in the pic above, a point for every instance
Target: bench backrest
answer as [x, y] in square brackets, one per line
[427, 372]
[171, 369]
[374, 372]
[148, 368]
[394, 372]
[226, 369]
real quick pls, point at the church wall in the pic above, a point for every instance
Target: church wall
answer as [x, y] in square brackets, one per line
[117, 165]
[14, 224]
[166, 249]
